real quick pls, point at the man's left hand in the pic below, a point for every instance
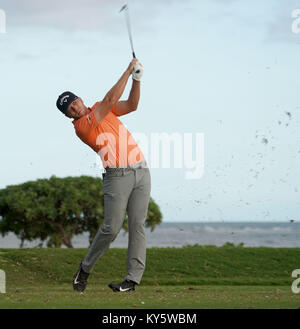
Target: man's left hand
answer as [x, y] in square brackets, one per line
[137, 71]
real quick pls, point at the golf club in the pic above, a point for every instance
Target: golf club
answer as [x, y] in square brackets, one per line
[126, 13]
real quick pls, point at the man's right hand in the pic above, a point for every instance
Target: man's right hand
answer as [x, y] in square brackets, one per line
[131, 65]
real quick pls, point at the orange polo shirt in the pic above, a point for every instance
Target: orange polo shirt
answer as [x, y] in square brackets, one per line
[109, 138]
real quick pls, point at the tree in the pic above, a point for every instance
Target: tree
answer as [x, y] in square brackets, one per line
[57, 209]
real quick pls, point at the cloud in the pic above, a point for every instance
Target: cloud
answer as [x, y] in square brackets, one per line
[81, 14]
[59, 13]
[279, 27]
[280, 30]
[273, 19]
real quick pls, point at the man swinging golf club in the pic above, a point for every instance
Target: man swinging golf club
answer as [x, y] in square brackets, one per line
[126, 181]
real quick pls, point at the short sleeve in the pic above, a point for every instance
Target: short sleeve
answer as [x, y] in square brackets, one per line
[114, 110]
[86, 124]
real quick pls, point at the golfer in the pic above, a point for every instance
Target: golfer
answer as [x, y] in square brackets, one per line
[126, 180]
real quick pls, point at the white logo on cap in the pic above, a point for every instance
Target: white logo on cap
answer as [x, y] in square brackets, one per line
[64, 99]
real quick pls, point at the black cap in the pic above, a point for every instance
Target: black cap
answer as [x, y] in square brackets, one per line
[64, 100]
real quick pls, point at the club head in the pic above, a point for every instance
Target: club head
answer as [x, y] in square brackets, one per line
[125, 7]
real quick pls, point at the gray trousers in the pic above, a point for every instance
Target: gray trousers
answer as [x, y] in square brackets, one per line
[124, 189]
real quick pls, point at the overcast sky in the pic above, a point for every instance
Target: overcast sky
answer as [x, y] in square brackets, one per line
[225, 69]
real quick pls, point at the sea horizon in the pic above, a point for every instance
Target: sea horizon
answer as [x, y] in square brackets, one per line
[179, 234]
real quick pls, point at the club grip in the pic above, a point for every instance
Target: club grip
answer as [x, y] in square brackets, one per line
[133, 54]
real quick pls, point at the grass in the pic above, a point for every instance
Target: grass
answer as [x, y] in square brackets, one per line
[188, 277]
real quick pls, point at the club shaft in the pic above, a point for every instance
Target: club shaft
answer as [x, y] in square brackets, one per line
[129, 31]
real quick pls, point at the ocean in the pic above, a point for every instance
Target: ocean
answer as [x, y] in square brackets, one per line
[181, 234]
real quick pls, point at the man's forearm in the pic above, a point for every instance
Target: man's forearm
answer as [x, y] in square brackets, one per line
[117, 90]
[113, 96]
[134, 95]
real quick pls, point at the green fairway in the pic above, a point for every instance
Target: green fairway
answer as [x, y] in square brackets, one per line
[162, 297]
[188, 277]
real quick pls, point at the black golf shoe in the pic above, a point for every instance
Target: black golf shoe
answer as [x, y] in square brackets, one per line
[80, 279]
[126, 285]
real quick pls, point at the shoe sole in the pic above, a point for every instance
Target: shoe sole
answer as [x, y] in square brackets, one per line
[117, 290]
[79, 290]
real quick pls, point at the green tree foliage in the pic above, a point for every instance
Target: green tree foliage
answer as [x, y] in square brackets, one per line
[56, 209]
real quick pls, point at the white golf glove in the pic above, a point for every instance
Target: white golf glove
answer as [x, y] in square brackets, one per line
[137, 71]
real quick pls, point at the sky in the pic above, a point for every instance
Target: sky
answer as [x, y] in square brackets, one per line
[223, 70]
